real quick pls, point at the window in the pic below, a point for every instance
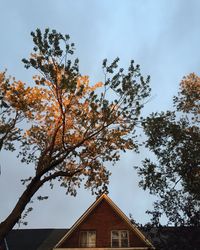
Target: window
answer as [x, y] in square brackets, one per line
[119, 238]
[87, 239]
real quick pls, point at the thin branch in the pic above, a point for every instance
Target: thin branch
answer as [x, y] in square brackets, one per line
[60, 174]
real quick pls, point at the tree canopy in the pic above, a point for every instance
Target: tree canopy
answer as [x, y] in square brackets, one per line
[73, 128]
[174, 177]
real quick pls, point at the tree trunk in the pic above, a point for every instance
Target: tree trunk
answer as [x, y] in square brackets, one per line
[7, 225]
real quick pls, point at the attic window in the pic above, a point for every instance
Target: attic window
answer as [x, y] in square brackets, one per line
[119, 238]
[87, 239]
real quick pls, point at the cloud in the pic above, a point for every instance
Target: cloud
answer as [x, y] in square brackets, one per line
[162, 36]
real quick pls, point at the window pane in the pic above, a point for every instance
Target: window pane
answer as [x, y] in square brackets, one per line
[115, 234]
[91, 239]
[115, 242]
[83, 239]
[88, 239]
[124, 234]
[119, 238]
[124, 242]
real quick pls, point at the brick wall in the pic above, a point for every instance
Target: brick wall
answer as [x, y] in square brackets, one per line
[103, 220]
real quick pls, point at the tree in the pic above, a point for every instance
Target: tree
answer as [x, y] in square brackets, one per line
[73, 128]
[174, 177]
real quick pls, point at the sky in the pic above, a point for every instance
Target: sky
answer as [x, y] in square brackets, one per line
[163, 36]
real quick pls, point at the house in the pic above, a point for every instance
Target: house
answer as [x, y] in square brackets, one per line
[104, 226]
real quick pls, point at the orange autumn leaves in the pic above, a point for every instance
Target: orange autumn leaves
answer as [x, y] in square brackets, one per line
[22, 99]
[190, 91]
[50, 108]
[64, 119]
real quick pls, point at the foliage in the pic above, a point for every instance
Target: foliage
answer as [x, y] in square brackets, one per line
[79, 128]
[74, 128]
[174, 138]
[169, 237]
[18, 102]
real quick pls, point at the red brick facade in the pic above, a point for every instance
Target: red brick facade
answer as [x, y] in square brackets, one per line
[103, 219]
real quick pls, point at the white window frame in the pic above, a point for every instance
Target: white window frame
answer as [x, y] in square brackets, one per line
[119, 239]
[87, 240]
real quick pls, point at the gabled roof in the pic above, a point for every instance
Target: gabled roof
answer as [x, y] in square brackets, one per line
[116, 209]
[45, 239]
[32, 239]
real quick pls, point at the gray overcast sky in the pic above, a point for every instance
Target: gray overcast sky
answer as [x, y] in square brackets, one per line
[163, 36]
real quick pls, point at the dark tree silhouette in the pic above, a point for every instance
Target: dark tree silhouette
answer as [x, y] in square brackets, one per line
[74, 127]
